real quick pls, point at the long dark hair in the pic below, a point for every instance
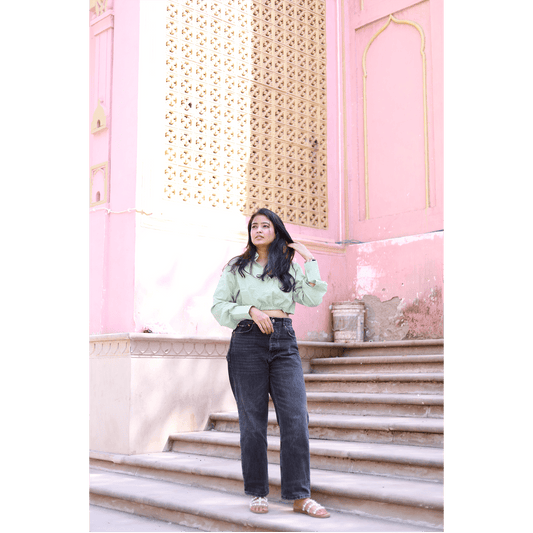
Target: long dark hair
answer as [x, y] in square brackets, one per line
[280, 256]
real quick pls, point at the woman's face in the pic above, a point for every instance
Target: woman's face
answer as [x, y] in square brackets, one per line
[262, 231]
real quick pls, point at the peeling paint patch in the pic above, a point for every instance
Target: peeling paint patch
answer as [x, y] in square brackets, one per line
[424, 316]
[382, 319]
[397, 319]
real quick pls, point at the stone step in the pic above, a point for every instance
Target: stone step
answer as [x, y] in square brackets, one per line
[364, 364]
[402, 383]
[416, 502]
[102, 519]
[411, 462]
[210, 510]
[380, 429]
[412, 347]
[412, 405]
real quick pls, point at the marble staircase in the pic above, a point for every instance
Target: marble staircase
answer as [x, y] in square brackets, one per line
[376, 438]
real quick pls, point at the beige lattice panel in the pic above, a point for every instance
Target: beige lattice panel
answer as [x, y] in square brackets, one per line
[246, 106]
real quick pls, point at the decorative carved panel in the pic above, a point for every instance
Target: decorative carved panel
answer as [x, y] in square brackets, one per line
[98, 6]
[387, 102]
[98, 185]
[246, 106]
[154, 345]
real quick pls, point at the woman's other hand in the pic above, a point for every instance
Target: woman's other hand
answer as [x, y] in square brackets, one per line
[262, 320]
[302, 250]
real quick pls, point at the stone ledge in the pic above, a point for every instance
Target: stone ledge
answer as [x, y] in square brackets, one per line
[157, 345]
[392, 344]
[116, 458]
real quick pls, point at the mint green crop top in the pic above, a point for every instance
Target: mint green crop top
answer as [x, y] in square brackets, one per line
[235, 294]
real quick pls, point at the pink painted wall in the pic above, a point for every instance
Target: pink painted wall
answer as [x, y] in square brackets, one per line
[141, 266]
[402, 257]
[406, 267]
[407, 270]
[395, 96]
[112, 236]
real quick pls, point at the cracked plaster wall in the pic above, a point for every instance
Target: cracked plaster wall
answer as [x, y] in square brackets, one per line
[401, 283]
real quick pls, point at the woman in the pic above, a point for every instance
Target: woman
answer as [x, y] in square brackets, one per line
[257, 292]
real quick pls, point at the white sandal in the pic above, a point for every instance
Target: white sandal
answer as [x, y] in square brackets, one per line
[310, 508]
[258, 501]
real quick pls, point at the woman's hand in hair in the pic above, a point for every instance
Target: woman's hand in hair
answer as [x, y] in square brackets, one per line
[302, 250]
[262, 320]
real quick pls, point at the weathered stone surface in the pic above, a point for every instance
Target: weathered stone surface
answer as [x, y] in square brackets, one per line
[424, 316]
[381, 320]
[398, 319]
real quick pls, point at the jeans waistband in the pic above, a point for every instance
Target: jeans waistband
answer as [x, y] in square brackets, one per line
[275, 319]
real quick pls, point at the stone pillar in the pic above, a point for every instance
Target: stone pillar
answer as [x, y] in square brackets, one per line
[114, 61]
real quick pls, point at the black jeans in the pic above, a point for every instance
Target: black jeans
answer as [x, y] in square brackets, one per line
[260, 364]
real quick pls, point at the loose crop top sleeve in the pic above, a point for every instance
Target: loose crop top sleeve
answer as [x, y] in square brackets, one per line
[235, 295]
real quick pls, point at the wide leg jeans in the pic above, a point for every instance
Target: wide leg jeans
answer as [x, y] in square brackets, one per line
[260, 365]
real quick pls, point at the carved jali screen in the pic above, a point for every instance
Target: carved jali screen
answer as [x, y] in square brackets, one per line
[246, 106]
